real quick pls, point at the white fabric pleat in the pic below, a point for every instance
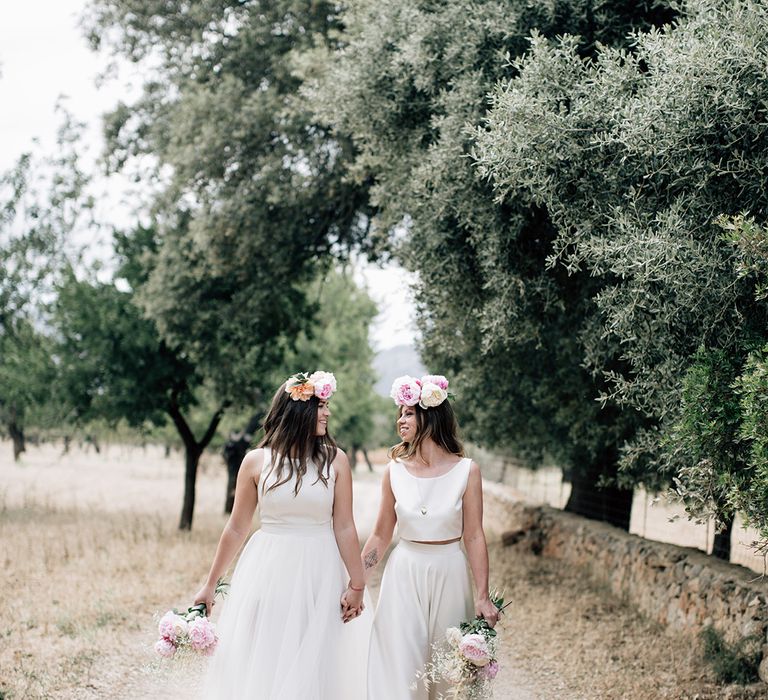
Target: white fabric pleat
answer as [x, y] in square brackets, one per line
[425, 590]
[281, 636]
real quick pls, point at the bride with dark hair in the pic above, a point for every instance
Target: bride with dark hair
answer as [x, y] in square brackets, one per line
[299, 578]
[433, 493]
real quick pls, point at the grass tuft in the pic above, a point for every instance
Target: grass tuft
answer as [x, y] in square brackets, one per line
[731, 662]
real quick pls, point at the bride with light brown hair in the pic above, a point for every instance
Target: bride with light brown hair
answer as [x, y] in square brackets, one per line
[299, 578]
[433, 493]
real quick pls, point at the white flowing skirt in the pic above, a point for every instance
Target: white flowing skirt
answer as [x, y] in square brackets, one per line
[281, 636]
[425, 589]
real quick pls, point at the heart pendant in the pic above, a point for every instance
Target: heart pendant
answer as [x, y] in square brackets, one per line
[423, 510]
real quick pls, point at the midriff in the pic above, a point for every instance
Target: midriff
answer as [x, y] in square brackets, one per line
[455, 539]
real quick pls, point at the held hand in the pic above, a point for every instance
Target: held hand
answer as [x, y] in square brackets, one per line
[351, 604]
[205, 595]
[486, 609]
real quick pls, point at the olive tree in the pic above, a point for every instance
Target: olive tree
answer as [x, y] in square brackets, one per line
[635, 155]
[406, 82]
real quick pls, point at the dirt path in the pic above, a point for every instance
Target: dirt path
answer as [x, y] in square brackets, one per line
[136, 676]
[91, 550]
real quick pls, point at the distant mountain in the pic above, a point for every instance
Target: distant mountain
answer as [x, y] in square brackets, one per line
[394, 362]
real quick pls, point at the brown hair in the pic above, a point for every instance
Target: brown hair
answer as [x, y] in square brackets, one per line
[289, 431]
[438, 423]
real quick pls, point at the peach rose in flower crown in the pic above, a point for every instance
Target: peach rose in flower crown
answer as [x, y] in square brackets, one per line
[300, 387]
[475, 649]
[406, 391]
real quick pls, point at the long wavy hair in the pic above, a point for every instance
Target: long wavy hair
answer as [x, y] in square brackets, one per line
[438, 423]
[289, 431]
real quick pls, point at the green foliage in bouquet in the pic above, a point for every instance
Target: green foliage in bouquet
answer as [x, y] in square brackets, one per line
[479, 625]
[200, 609]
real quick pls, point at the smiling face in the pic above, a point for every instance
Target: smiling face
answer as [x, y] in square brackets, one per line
[416, 424]
[323, 413]
[407, 424]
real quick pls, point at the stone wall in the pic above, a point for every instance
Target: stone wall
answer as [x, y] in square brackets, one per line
[678, 587]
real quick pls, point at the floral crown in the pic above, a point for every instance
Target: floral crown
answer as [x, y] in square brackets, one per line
[428, 392]
[303, 386]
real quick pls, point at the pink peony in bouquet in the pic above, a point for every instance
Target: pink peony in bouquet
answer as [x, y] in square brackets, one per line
[187, 632]
[467, 659]
[190, 631]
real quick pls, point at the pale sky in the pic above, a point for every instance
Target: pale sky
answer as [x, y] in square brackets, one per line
[44, 56]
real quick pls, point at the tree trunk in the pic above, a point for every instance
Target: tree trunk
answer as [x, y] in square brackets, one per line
[234, 451]
[367, 459]
[193, 449]
[607, 503]
[17, 435]
[191, 461]
[721, 547]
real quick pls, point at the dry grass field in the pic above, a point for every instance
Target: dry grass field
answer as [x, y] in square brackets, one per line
[91, 552]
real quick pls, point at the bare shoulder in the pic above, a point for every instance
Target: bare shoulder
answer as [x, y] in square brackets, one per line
[474, 477]
[341, 463]
[253, 462]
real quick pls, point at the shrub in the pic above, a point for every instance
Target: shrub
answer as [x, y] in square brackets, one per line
[732, 663]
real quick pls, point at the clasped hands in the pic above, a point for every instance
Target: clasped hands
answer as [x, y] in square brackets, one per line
[351, 604]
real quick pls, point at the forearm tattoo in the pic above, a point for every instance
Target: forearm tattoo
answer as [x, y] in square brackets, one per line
[371, 559]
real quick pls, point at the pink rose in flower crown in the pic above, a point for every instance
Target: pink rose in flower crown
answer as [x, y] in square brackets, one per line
[202, 635]
[438, 379]
[324, 384]
[475, 649]
[406, 391]
[165, 648]
[489, 672]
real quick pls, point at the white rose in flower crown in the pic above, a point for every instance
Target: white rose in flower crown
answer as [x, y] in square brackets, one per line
[432, 395]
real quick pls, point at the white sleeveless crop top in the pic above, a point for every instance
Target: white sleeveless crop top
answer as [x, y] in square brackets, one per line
[429, 509]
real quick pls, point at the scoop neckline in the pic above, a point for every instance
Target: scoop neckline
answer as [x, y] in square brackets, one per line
[429, 478]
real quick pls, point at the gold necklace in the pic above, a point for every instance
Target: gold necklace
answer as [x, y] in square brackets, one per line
[421, 497]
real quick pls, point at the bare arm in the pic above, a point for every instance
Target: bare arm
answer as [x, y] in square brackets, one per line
[347, 539]
[381, 536]
[475, 544]
[238, 526]
[344, 523]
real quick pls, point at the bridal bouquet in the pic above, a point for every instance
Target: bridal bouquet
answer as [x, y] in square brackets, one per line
[467, 660]
[187, 632]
